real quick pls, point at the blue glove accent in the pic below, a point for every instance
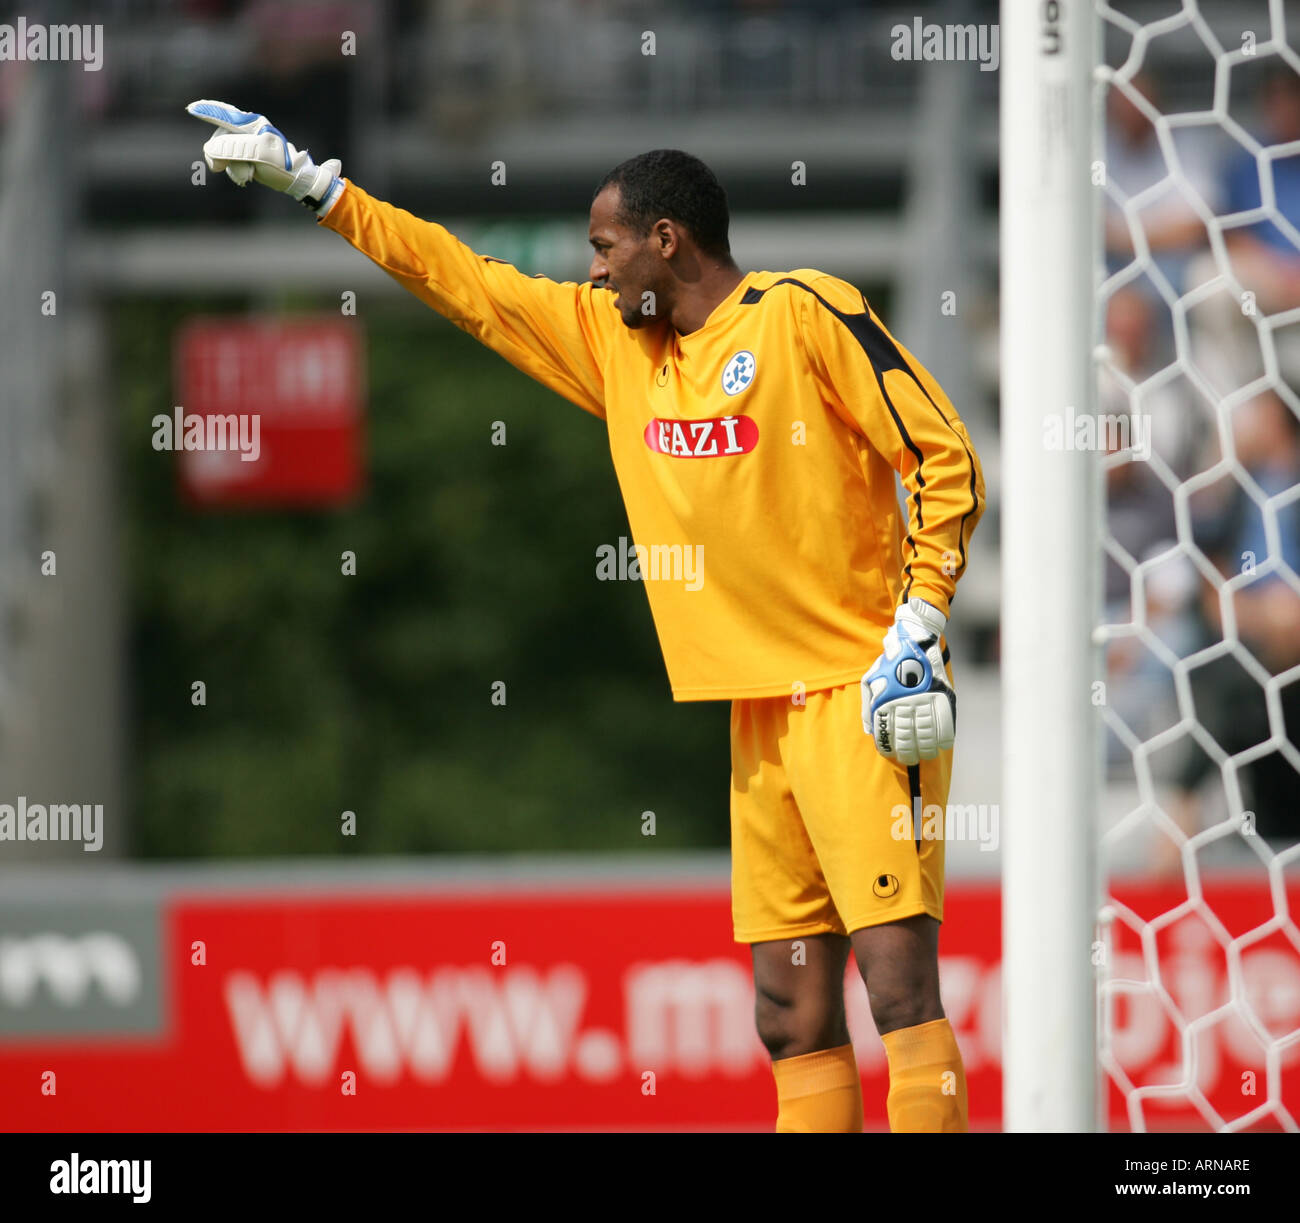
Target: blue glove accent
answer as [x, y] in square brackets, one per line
[225, 114]
[277, 132]
[230, 117]
[316, 205]
[907, 674]
[908, 705]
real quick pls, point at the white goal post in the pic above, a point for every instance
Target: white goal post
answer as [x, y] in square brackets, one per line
[1050, 566]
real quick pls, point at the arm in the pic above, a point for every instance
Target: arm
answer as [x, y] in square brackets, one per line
[556, 333]
[880, 392]
[908, 704]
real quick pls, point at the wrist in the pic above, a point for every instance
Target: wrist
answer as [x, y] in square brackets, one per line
[928, 614]
[329, 196]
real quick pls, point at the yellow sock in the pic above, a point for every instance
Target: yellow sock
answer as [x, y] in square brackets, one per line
[819, 1093]
[927, 1082]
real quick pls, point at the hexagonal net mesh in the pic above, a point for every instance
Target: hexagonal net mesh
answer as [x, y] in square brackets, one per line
[1198, 953]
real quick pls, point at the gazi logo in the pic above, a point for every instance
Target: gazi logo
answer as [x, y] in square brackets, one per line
[702, 439]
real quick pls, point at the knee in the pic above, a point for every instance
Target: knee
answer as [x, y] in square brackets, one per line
[790, 1025]
[893, 1008]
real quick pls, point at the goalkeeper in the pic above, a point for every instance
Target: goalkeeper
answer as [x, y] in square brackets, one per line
[759, 419]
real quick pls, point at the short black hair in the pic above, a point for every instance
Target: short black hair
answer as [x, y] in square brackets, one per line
[670, 183]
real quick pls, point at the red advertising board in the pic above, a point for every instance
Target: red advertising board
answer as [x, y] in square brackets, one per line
[268, 411]
[618, 1007]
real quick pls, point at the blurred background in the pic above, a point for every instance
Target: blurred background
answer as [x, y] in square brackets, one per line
[327, 773]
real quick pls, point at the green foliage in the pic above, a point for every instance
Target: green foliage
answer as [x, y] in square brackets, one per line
[325, 693]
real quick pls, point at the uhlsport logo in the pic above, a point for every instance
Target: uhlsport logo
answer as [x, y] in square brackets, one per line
[739, 372]
[885, 886]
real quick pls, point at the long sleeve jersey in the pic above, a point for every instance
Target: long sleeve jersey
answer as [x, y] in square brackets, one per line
[756, 455]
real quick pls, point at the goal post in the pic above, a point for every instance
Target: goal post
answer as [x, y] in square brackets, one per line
[1051, 562]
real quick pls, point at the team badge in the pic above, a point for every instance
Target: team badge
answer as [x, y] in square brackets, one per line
[738, 373]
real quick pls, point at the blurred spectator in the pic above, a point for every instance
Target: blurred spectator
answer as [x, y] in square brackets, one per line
[1139, 515]
[1264, 258]
[1229, 702]
[1178, 424]
[1136, 162]
[1140, 520]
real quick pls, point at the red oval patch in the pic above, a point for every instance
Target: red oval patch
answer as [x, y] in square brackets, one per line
[716, 437]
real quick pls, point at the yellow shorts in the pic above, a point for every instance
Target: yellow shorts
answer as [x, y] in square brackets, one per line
[818, 839]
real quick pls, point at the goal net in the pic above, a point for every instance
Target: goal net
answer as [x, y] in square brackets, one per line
[1197, 162]
[1160, 138]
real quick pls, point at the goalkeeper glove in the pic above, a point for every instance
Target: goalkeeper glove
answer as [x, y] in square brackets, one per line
[248, 146]
[908, 706]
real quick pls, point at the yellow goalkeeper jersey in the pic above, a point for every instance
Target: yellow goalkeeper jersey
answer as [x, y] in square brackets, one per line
[756, 455]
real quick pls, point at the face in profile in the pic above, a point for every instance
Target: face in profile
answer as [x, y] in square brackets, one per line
[627, 263]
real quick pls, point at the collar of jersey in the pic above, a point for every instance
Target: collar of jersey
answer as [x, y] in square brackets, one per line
[719, 312]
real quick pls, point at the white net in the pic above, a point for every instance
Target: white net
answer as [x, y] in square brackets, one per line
[1198, 952]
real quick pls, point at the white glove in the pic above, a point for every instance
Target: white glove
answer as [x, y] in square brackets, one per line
[908, 706]
[248, 146]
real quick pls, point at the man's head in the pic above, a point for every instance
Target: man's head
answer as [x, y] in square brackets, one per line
[1127, 122]
[1280, 103]
[658, 221]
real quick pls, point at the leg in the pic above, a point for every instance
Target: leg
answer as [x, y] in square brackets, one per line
[782, 907]
[799, 1009]
[899, 962]
[799, 1006]
[877, 832]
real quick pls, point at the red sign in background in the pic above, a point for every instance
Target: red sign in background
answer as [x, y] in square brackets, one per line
[301, 381]
[622, 1007]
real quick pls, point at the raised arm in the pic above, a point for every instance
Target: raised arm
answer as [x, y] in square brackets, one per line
[557, 333]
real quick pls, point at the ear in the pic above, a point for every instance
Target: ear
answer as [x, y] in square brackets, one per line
[666, 237]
